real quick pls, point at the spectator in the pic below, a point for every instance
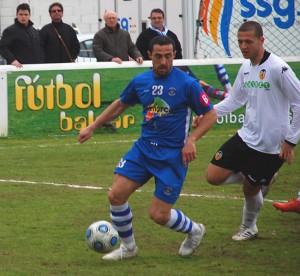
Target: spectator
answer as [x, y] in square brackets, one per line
[59, 39]
[112, 43]
[20, 42]
[158, 27]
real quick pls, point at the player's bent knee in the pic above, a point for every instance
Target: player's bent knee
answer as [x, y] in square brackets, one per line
[213, 180]
[159, 218]
[116, 198]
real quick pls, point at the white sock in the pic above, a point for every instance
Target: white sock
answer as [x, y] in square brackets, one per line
[181, 223]
[122, 219]
[252, 207]
[299, 195]
[235, 178]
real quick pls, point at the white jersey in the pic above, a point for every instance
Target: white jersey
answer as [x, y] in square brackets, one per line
[269, 91]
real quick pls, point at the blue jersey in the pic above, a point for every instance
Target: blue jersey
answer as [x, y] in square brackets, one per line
[168, 103]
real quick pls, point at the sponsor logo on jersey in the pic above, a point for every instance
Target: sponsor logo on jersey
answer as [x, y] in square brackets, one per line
[159, 108]
[218, 155]
[204, 100]
[172, 91]
[257, 84]
[262, 74]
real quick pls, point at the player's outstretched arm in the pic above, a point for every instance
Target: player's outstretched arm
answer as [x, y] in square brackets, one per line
[109, 114]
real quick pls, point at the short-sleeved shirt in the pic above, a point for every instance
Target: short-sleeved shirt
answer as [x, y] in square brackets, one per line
[168, 104]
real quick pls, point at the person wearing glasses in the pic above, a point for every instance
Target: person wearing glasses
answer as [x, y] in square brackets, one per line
[59, 40]
[20, 43]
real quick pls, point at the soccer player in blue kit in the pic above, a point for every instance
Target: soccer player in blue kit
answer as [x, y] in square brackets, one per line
[168, 96]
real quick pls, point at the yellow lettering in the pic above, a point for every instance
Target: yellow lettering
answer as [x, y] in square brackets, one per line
[50, 95]
[118, 122]
[20, 90]
[128, 119]
[65, 122]
[32, 99]
[90, 117]
[97, 90]
[79, 95]
[80, 122]
[63, 93]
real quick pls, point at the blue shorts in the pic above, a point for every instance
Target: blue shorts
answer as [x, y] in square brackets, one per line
[146, 159]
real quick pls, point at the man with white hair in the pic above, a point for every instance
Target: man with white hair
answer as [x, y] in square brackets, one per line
[112, 43]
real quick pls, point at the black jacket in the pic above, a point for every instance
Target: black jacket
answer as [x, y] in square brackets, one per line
[143, 41]
[22, 43]
[54, 49]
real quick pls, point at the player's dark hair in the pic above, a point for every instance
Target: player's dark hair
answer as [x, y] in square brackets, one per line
[157, 11]
[252, 26]
[23, 7]
[56, 4]
[161, 40]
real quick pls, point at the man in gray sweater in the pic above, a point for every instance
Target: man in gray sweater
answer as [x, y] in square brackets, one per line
[112, 43]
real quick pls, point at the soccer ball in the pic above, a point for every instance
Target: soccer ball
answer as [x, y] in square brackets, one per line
[101, 236]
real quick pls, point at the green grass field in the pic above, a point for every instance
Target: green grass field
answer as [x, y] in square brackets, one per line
[52, 189]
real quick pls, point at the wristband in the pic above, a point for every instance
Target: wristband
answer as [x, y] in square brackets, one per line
[291, 144]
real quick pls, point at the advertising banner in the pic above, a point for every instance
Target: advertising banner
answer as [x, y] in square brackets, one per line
[61, 102]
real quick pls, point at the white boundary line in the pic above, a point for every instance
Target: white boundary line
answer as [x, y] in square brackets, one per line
[88, 187]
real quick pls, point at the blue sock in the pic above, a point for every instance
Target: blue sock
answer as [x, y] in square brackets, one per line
[121, 217]
[179, 222]
[223, 76]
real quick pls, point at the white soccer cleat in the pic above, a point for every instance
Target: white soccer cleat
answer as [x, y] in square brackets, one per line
[192, 241]
[245, 233]
[121, 253]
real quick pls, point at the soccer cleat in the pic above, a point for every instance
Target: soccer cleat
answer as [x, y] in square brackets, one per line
[121, 253]
[266, 189]
[292, 206]
[245, 233]
[192, 241]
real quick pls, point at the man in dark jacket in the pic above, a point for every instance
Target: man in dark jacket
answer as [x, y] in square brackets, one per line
[59, 40]
[20, 42]
[157, 27]
[112, 43]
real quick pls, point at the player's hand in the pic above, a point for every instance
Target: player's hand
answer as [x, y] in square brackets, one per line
[188, 151]
[196, 121]
[287, 153]
[85, 134]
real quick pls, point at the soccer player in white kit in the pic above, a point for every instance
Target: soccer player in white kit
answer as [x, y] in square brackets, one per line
[269, 88]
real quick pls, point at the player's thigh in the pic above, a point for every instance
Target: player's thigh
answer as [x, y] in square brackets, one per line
[217, 175]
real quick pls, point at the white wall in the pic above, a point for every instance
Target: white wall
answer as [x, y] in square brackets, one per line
[84, 13]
